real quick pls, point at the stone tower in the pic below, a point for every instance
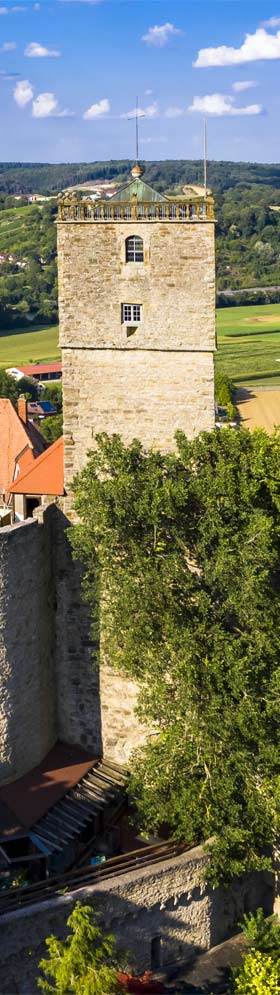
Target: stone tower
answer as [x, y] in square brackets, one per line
[137, 316]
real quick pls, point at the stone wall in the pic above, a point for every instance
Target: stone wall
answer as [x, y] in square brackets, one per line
[27, 684]
[168, 900]
[175, 285]
[77, 675]
[122, 732]
[140, 394]
[49, 684]
[151, 380]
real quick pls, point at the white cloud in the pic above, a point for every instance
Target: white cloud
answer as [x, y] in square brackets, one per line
[220, 105]
[245, 84]
[97, 110]
[44, 105]
[23, 92]
[173, 112]
[4, 10]
[160, 34]
[148, 93]
[9, 46]
[37, 51]
[150, 111]
[36, 6]
[273, 22]
[261, 45]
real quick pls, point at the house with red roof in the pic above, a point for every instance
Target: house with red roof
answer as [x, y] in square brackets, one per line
[41, 372]
[40, 479]
[21, 444]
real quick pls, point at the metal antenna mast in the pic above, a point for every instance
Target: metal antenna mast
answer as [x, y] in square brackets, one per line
[137, 130]
[205, 159]
[131, 118]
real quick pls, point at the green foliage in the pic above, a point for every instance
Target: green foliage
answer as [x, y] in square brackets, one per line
[260, 971]
[53, 393]
[259, 975]
[28, 277]
[181, 557]
[224, 392]
[11, 388]
[85, 963]
[262, 934]
[51, 427]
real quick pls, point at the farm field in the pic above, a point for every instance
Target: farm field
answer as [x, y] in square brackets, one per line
[249, 344]
[20, 347]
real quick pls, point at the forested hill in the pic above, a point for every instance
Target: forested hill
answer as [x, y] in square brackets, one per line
[247, 230]
[27, 178]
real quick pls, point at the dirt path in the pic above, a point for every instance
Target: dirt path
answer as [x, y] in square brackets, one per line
[259, 408]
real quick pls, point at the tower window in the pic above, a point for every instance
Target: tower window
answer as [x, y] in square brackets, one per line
[131, 314]
[134, 251]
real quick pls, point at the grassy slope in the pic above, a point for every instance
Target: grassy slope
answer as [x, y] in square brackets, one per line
[14, 229]
[23, 347]
[248, 350]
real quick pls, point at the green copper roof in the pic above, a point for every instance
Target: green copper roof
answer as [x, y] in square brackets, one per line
[142, 190]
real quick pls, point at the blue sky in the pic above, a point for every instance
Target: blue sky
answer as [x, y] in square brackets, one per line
[70, 70]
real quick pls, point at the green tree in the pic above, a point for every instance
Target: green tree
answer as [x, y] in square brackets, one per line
[53, 393]
[8, 386]
[11, 388]
[260, 971]
[51, 427]
[85, 963]
[259, 975]
[181, 557]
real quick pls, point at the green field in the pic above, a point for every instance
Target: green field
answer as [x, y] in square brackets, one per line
[249, 344]
[22, 347]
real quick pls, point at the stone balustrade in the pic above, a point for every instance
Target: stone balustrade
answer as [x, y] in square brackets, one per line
[72, 209]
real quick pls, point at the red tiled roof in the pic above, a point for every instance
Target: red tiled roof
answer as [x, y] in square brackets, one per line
[15, 437]
[34, 369]
[45, 475]
[27, 799]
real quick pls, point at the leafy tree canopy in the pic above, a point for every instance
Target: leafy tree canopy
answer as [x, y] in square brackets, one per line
[51, 427]
[181, 557]
[11, 388]
[260, 972]
[85, 963]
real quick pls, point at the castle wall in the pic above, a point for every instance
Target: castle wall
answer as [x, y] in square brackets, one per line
[143, 394]
[168, 900]
[175, 285]
[158, 378]
[27, 685]
[77, 676]
[122, 732]
[49, 684]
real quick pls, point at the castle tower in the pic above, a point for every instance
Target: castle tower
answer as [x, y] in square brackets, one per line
[137, 316]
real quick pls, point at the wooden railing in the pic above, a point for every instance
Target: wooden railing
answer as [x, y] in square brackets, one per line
[72, 209]
[84, 877]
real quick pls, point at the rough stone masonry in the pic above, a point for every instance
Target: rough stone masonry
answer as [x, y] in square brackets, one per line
[148, 381]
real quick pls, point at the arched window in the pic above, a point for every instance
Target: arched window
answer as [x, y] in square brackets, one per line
[134, 251]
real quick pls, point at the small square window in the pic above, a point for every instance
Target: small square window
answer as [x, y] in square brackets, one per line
[131, 314]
